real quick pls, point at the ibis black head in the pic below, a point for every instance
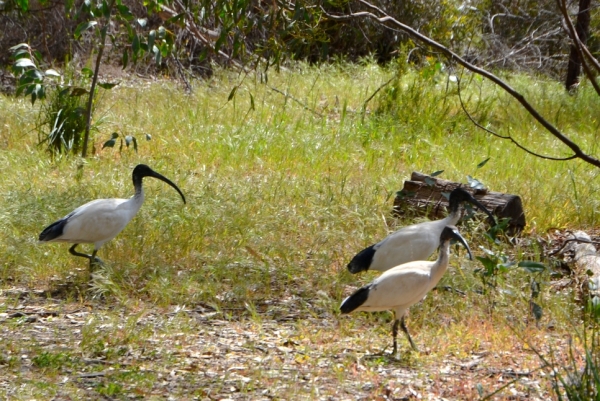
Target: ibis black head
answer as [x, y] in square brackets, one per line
[141, 170]
[459, 195]
[451, 232]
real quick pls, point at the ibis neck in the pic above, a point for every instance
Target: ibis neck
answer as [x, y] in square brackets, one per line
[138, 197]
[441, 264]
[453, 217]
[137, 185]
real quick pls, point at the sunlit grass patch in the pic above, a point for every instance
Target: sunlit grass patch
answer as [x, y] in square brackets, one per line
[251, 271]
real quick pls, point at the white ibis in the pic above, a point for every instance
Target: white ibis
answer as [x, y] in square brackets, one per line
[414, 242]
[101, 220]
[399, 288]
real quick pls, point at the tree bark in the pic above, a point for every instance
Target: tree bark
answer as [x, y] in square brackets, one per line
[582, 27]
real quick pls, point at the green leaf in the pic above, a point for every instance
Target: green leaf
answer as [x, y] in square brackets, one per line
[135, 46]
[105, 9]
[148, 137]
[125, 59]
[19, 46]
[112, 141]
[532, 267]
[142, 22]
[84, 26]
[475, 183]
[107, 85]
[480, 165]
[35, 75]
[87, 72]
[232, 93]
[436, 173]
[536, 310]
[131, 139]
[151, 38]
[52, 73]
[402, 194]
[125, 12]
[535, 289]
[76, 92]
[479, 389]
[24, 63]
[489, 264]
[23, 5]
[429, 182]
[40, 91]
[252, 102]
[177, 19]
[20, 53]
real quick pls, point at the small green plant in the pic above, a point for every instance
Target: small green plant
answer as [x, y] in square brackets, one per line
[28, 68]
[125, 139]
[109, 389]
[579, 378]
[497, 264]
[50, 360]
[66, 115]
[63, 116]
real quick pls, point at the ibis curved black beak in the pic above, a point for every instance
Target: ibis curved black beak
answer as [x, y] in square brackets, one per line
[460, 195]
[171, 183]
[475, 202]
[451, 232]
[141, 170]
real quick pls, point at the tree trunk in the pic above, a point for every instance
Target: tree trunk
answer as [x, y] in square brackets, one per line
[582, 27]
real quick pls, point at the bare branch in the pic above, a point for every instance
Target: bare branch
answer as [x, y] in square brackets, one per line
[386, 19]
[507, 137]
[287, 95]
[377, 91]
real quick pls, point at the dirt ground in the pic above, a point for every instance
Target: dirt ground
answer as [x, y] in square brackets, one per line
[61, 350]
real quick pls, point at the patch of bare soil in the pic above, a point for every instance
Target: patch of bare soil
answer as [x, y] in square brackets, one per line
[89, 350]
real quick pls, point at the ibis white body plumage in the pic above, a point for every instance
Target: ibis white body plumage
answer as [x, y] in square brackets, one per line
[101, 220]
[401, 287]
[414, 242]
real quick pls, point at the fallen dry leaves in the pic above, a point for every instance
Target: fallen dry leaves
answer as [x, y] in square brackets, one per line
[200, 353]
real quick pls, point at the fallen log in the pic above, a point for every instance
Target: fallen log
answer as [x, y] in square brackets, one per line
[422, 194]
[586, 262]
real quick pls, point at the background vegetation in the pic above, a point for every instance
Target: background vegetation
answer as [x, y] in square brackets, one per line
[289, 172]
[279, 198]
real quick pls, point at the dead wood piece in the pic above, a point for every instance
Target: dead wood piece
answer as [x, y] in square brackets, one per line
[586, 262]
[423, 194]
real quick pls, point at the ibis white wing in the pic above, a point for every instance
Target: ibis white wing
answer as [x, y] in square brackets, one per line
[98, 221]
[399, 287]
[414, 242]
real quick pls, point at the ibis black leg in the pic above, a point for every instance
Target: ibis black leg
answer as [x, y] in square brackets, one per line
[404, 329]
[395, 334]
[74, 252]
[92, 258]
[94, 261]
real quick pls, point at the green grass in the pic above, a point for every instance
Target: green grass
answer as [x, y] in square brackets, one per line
[279, 199]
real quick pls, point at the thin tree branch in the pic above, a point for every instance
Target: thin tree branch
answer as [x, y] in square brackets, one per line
[507, 137]
[103, 32]
[376, 91]
[386, 19]
[287, 95]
